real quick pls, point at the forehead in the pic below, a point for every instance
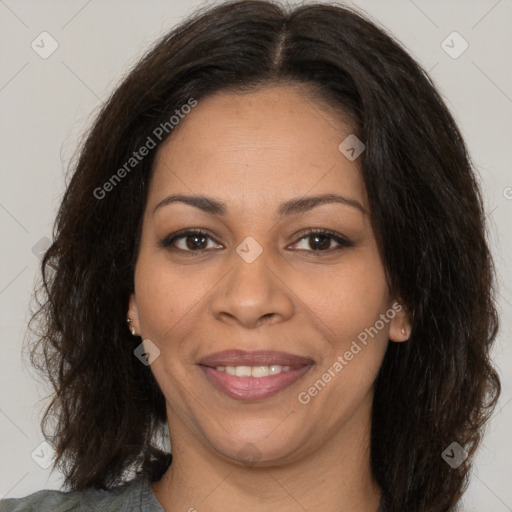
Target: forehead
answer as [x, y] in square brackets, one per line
[276, 143]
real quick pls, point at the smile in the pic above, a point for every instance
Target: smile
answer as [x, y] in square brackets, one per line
[253, 375]
[253, 371]
[263, 381]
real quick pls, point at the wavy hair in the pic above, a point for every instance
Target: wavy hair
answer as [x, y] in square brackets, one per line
[427, 214]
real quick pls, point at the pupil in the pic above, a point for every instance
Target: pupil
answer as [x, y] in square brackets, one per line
[324, 245]
[193, 245]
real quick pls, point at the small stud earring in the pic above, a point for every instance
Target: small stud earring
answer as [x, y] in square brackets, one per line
[403, 331]
[132, 329]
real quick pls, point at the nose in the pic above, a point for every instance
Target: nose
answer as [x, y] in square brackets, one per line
[252, 294]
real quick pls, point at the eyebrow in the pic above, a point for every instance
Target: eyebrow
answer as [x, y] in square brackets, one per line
[291, 207]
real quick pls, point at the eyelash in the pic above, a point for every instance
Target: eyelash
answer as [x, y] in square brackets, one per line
[342, 241]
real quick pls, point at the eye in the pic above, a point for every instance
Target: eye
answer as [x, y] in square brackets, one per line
[196, 240]
[192, 240]
[320, 240]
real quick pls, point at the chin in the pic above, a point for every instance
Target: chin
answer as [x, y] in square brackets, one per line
[260, 449]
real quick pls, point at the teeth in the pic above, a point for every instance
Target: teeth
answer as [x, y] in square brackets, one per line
[260, 371]
[253, 371]
[243, 371]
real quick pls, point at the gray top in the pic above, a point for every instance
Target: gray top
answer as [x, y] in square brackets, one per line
[133, 496]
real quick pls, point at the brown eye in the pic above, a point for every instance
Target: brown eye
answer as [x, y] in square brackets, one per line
[193, 242]
[188, 241]
[318, 241]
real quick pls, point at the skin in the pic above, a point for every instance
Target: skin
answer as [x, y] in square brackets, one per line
[253, 152]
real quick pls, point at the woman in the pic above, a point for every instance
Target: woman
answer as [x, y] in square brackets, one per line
[272, 245]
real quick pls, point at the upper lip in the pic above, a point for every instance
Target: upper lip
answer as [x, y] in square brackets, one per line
[254, 358]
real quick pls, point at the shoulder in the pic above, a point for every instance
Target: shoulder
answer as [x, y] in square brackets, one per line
[128, 497]
[45, 500]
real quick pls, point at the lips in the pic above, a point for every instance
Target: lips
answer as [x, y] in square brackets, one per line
[254, 358]
[249, 388]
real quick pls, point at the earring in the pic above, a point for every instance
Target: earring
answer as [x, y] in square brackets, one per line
[403, 330]
[132, 329]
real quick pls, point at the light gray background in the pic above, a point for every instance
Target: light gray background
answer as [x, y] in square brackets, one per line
[47, 104]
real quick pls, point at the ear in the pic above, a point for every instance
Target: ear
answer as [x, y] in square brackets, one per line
[400, 325]
[133, 315]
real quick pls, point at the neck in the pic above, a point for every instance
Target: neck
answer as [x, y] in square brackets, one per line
[335, 477]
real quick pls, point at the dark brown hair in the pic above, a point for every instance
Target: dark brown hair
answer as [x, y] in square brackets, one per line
[439, 387]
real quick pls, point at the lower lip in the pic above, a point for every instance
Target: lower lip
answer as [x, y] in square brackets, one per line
[252, 388]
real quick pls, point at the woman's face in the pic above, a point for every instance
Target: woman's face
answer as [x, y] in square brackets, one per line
[257, 282]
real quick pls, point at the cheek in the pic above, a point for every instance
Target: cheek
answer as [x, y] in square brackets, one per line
[347, 311]
[348, 299]
[166, 299]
